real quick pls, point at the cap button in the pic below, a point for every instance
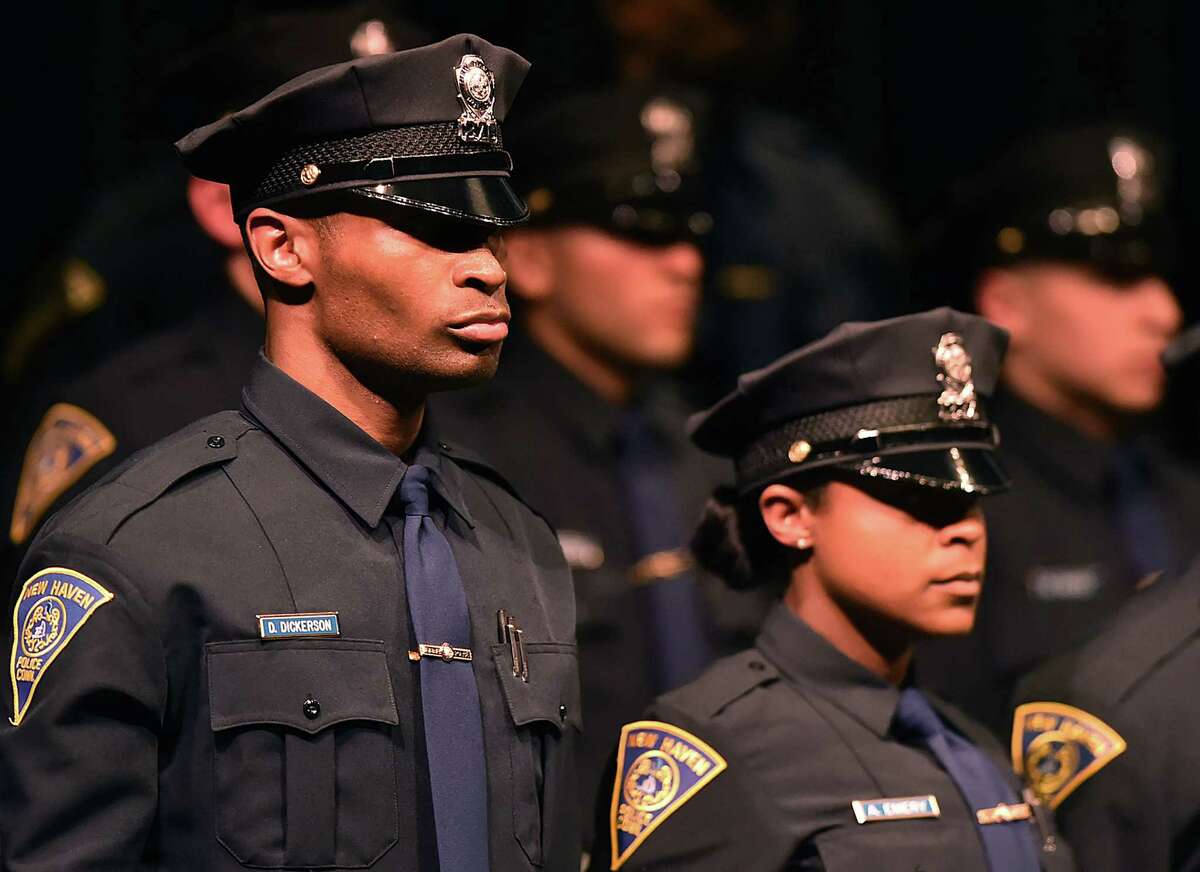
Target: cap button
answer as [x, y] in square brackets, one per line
[309, 174]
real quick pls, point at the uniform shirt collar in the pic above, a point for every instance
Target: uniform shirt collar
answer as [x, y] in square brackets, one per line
[344, 458]
[590, 419]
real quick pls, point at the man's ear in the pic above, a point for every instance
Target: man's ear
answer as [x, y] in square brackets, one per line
[529, 263]
[1002, 296]
[210, 205]
[788, 516]
[283, 247]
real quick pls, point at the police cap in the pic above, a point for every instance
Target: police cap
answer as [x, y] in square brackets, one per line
[626, 160]
[901, 400]
[1092, 195]
[417, 129]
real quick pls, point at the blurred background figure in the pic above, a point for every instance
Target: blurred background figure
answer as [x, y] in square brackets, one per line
[802, 242]
[110, 383]
[1065, 242]
[584, 418]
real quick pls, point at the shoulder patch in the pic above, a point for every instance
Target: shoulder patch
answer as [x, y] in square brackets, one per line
[51, 607]
[1057, 747]
[67, 443]
[659, 768]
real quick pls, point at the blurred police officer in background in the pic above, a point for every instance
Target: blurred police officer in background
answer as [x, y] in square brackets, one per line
[310, 634]
[860, 461]
[1106, 734]
[605, 282]
[1065, 243]
[146, 387]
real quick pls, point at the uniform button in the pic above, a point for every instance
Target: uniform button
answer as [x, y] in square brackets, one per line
[443, 446]
[562, 713]
[757, 665]
[312, 708]
[216, 441]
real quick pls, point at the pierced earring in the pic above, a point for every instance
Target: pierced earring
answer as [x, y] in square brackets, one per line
[804, 543]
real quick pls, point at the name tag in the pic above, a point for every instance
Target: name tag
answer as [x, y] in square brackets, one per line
[304, 625]
[897, 808]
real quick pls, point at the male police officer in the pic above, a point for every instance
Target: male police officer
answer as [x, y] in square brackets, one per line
[1067, 243]
[308, 634]
[584, 419]
[1106, 734]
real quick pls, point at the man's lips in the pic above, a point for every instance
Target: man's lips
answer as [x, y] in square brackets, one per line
[961, 584]
[483, 327]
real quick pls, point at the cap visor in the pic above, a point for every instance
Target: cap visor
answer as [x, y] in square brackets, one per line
[482, 199]
[971, 470]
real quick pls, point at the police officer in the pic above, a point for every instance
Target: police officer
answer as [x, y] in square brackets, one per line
[1067, 244]
[859, 463]
[76, 431]
[309, 633]
[1106, 734]
[605, 280]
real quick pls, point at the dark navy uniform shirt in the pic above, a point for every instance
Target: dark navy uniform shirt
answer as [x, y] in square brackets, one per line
[166, 734]
[557, 441]
[804, 732]
[1140, 808]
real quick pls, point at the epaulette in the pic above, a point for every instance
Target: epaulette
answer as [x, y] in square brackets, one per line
[725, 682]
[477, 465]
[148, 474]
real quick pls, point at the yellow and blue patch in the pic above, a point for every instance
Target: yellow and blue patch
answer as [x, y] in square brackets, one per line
[659, 768]
[68, 442]
[1057, 747]
[51, 607]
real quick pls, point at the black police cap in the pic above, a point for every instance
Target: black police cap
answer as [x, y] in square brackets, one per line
[1093, 195]
[417, 129]
[626, 159]
[900, 400]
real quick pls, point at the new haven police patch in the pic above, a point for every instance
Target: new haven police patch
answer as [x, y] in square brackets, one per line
[659, 768]
[51, 608]
[1057, 747]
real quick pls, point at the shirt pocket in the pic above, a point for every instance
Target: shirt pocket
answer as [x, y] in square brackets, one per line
[546, 721]
[922, 845]
[304, 768]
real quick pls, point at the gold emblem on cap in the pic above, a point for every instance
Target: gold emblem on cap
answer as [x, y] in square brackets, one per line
[799, 450]
[957, 400]
[477, 94]
[309, 174]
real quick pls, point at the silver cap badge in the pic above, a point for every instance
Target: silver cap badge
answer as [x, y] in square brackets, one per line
[957, 400]
[477, 93]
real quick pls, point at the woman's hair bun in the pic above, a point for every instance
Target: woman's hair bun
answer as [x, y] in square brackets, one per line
[719, 544]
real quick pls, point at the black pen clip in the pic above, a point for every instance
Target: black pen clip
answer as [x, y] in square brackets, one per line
[512, 633]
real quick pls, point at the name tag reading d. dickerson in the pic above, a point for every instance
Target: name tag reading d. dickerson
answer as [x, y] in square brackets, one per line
[897, 808]
[305, 625]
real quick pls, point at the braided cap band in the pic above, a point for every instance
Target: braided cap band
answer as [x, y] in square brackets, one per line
[902, 425]
[302, 170]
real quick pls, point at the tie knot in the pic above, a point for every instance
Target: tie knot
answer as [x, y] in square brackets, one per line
[916, 717]
[414, 490]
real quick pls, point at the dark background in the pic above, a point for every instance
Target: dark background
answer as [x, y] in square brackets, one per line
[914, 94]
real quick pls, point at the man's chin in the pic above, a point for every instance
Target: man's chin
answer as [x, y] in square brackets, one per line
[481, 368]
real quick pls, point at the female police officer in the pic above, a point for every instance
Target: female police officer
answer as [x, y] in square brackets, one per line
[860, 459]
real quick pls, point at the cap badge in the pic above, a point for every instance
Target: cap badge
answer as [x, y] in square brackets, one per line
[477, 93]
[957, 400]
[669, 126]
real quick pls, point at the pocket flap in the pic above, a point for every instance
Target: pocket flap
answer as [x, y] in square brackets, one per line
[552, 692]
[253, 683]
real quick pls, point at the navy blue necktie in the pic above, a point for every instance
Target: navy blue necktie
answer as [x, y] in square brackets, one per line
[1139, 518]
[674, 612]
[1009, 847]
[437, 604]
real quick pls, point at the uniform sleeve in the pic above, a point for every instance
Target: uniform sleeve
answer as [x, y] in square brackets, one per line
[85, 693]
[709, 824]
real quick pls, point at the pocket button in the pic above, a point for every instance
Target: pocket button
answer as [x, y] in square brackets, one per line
[312, 709]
